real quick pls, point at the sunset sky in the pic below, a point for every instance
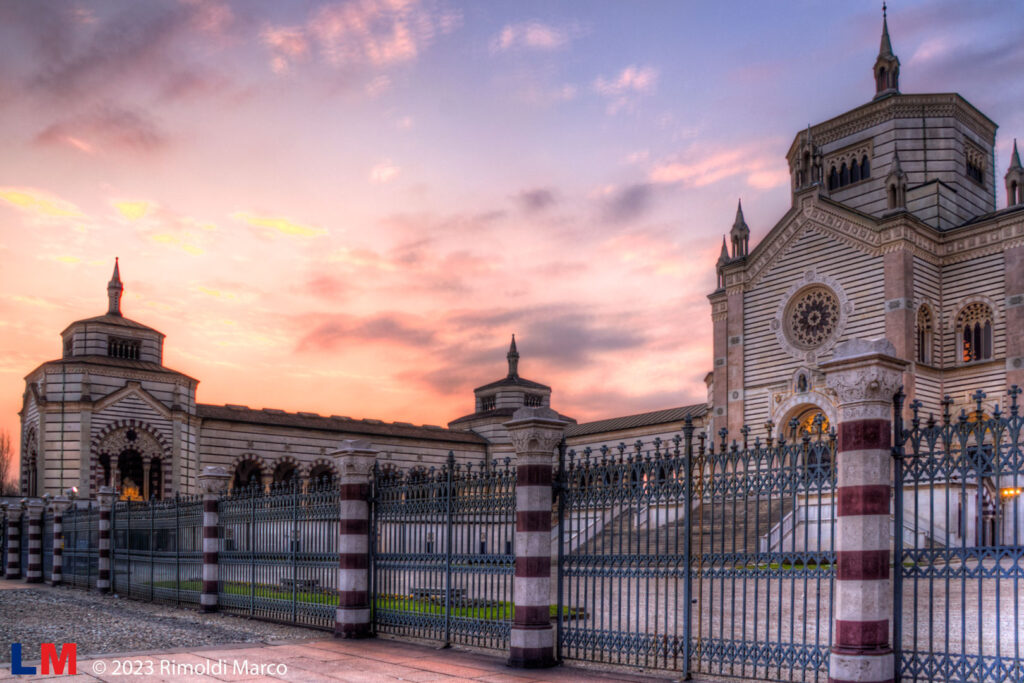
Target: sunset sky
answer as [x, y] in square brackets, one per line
[349, 207]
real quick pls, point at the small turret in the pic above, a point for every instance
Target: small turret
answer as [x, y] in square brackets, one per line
[896, 185]
[513, 359]
[114, 291]
[740, 234]
[1015, 179]
[887, 65]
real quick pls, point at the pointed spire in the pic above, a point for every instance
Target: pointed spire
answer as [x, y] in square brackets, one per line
[885, 47]
[887, 65]
[114, 290]
[1015, 157]
[895, 168]
[513, 359]
[724, 256]
[740, 233]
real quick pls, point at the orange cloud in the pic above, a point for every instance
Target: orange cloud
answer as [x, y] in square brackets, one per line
[278, 224]
[39, 203]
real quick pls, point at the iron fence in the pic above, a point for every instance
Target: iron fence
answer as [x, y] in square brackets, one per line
[80, 531]
[443, 554]
[279, 553]
[959, 543]
[661, 565]
[47, 547]
[156, 549]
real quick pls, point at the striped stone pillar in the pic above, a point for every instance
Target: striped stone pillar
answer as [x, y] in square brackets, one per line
[106, 501]
[213, 482]
[865, 374]
[34, 572]
[14, 513]
[535, 433]
[354, 461]
[60, 504]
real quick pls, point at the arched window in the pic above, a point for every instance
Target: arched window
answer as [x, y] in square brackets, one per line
[854, 171]
[284, 471]
[881, 79]
[321, 475]
[844, 175]
[865, 167]
[833, 179]
[892, 196]
[105, 466]
[924, 335]
[247, 473]
[974, 333]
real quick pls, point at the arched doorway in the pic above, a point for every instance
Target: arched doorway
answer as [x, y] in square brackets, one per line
[131, 474]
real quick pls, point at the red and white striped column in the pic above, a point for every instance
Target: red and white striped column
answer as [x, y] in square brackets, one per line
[34, 572]
[13, 561]
[60, 504]
[865, 374]
[354, 461]
[535, 433]
[213, 482]
[106, 502]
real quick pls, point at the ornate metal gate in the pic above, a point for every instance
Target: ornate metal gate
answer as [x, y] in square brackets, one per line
[442, 553]
[723, 567]
[959, 544]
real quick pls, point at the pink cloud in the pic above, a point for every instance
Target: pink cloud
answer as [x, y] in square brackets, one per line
[530, 35]
[700, 168]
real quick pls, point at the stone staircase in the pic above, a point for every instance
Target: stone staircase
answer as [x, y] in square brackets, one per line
[732, 527]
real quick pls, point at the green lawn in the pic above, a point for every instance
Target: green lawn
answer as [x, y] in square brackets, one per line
[495, 611]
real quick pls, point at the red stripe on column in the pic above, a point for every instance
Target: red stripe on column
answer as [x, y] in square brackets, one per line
[534, 520]
[863, 500]
[354, 491]
[862, 565]
[353, 598]
[533, 475]
[210, 558]
[863, 434]
[533, 567]
[532, 615]
[353, 561]
[858, 635]
[210, 588]
[209, 506]
[209, 532]
[354, 526]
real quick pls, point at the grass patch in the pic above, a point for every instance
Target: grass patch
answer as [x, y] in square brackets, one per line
[500, 610]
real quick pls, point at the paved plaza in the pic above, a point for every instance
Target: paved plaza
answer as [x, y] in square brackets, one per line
[307, 655]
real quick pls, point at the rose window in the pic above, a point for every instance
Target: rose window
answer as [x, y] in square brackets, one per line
[812, 317]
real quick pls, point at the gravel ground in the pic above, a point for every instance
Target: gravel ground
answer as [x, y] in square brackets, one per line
[103, 624]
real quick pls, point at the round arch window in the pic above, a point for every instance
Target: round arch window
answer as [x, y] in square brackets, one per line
[812, 317]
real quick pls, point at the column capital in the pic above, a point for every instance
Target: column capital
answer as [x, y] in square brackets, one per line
[35, 507]
[14, 511]
[864, 374]
[354, 460]
[213, 480]
[535, 432]
[105, 496]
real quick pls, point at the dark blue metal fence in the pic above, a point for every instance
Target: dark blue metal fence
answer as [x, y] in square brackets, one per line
[725, 567]
[959, 539]
[47, 526]
[279, 553]
[443, 554]
[80, 530]
[156, 549]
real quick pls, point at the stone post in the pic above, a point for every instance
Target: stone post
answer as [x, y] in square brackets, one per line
[535, 432]
[354, 461]
[865, 374]
[60, 504]
[106, 501]
[213, 481]
[14, 513]
[34, 572]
